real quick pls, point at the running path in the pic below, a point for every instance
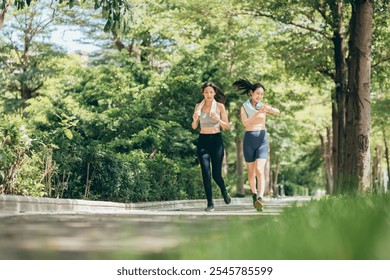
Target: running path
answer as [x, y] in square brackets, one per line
[238, 207]
[105, 230]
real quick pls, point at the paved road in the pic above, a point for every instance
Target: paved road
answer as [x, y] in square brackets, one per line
[150, 231]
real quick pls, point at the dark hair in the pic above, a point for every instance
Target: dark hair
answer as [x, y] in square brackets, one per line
[246, 87]
[219, 95]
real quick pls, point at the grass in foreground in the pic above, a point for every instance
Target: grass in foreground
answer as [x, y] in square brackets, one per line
[335, 228]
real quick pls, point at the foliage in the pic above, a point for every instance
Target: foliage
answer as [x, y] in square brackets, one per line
[116, 12]
[91, 151]
[26, 59]
[19, 165]
[136, 177]
[116, 125]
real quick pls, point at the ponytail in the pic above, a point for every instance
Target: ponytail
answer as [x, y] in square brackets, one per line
[246, 87]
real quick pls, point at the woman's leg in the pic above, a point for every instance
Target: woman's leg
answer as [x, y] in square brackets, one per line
[260, 174]
[251, 167]
[261, 160]
[252, 175]
[204, 160]
[216, 160]
[250, 159]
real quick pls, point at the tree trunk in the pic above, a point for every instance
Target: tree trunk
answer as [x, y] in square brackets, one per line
[268, 176]
[356, 170]
[240, 158]
[225, 163]
[240, 167]
[387, 160]
[3, 12]
[377, 170]
[87, 181]
[275, 179]
[338, 99]
[331, 159]
[327, 157]
[49, 167]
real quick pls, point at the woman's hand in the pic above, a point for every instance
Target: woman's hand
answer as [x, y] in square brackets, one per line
[215, 116]
[268, 109]
[262, 110]
[195, 117]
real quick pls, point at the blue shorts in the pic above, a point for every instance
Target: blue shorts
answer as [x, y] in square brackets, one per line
[255, 145]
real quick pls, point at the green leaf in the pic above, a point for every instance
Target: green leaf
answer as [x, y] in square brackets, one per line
[108, 25]
[105, 12]
[54, 146]
[68, 133]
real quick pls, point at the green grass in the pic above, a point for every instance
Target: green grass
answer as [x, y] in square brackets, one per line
[336, 228]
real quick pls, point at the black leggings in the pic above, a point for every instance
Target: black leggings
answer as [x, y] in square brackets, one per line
[210, 147]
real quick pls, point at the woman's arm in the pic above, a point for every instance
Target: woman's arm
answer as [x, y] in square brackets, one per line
[271, 110]
[252, 120]
[195, 118]
[223, 121]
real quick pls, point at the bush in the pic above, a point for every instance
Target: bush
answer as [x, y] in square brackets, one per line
[20, 171]
[136, 177]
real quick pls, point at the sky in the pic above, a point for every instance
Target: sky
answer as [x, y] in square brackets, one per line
[68, 38]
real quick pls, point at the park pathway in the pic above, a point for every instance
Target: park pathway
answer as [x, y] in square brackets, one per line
[32, 228]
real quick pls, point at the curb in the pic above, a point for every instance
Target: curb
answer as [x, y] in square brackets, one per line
[14, 205]
[27, 204]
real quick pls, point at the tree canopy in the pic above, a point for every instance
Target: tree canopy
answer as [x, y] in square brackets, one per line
[115, 124]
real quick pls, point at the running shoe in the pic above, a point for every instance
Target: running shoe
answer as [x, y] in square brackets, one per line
[259, 205]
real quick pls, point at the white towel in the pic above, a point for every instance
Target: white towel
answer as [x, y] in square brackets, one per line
[249, 109]
[212, 109]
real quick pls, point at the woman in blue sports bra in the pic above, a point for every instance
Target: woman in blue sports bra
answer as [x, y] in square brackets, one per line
[211, 115]
[253, 116]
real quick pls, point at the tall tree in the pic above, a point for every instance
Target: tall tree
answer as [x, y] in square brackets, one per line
[24, 53]
[325, 22]
[25, 64]
[356, 170]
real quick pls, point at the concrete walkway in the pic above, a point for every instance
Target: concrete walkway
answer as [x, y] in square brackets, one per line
[11, 205]
[45, 228]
